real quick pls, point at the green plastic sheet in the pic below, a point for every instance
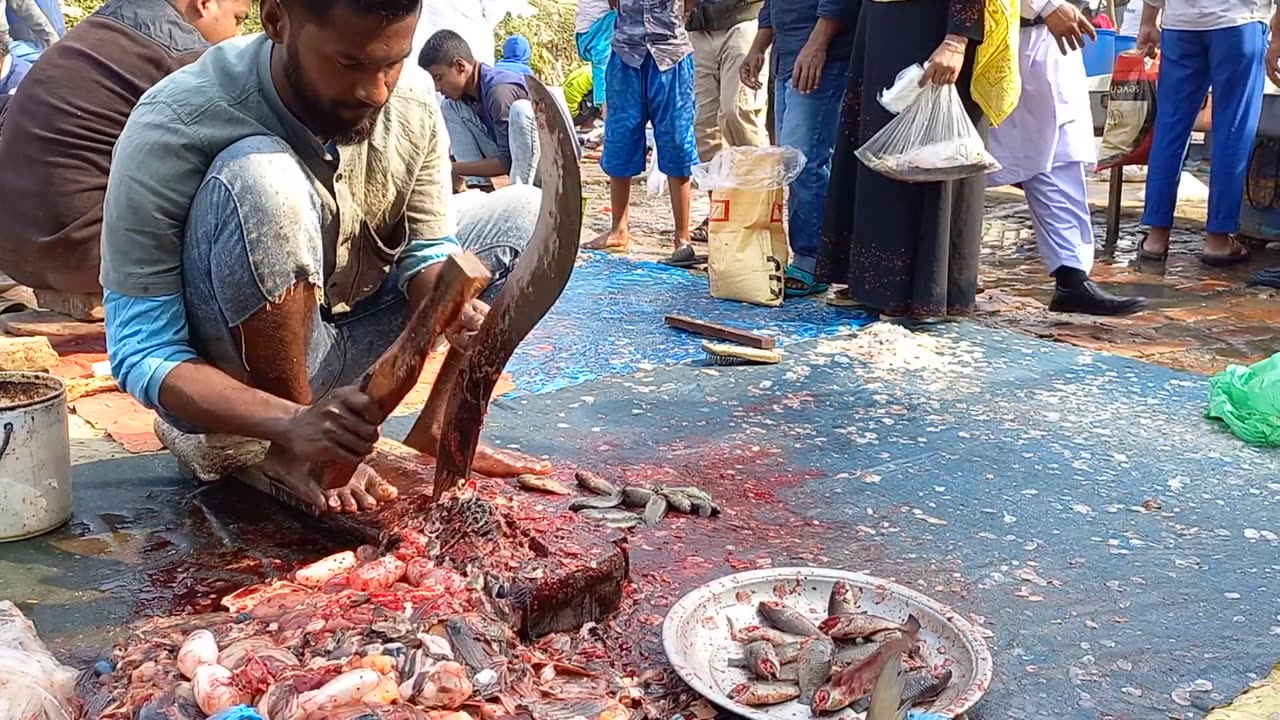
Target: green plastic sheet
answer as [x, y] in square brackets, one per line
[1247, 399]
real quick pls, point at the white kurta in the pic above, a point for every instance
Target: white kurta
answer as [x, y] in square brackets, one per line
[1047, 146]
[474, 20]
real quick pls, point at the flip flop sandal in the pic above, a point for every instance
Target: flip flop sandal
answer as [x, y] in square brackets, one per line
[685, 257]
[1231, 259]
[809, 283]
[701, 233]
[1145, 254]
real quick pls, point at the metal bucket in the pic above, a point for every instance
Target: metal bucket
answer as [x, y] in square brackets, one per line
[35, 455]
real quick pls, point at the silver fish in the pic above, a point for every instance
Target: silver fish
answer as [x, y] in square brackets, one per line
[593, 483]
[787, 619]
[636, 496]
[922, 688]
[655, 510]
[754, 694]
[851, 655]
[619, 519]
[597, 503]
[679, 502]
[844, 599]
[761, 660]
[814, 667]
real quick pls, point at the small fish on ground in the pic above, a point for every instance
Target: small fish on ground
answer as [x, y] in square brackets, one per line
[856, 626]
[814, 667]
[761, 660]
[705, 508]
[543, 484]
[594, 483]
[636, 496]
[691, 492]
[754, 694]
[844, 599]
[597, 503]
[679, 502]
[655, 510]
[620, 519]
[787, 619]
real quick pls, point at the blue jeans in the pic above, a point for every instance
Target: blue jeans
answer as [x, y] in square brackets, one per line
[1231, 61]
[808, 123]
[647, 95]
[256, 229]
[470, 141]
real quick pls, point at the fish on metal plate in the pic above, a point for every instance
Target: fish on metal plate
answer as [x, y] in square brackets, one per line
[655, 510]
[761, 659]
[814, 667]
[787, 619]
[856, 626]
[786, 653]
[542, 484]
[754, 694]
[844, 599]
[789, 672]
[855, 682]
[752, 633]
[636, 496]
[679, 502]
[597, 503]
[852, 655]
[922, 688]
[593, 483]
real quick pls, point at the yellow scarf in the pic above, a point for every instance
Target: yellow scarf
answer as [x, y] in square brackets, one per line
[996, 81]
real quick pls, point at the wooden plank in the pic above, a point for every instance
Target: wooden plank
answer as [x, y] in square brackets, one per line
[721, 332]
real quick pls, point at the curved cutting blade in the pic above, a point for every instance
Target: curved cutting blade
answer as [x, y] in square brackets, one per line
[532, 288]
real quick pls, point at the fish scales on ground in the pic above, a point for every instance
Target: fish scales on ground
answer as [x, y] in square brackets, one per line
[761, 659]
[787, 619]
[814, 667]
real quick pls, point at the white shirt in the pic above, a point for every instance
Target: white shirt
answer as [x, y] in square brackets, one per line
[589, 11]
[1211, 14]
[1032, 9]
[474, 20]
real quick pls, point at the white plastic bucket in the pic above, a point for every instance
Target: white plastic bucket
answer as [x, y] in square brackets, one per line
[35, 455]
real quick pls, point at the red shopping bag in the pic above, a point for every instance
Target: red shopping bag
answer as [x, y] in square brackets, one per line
[1131, 111]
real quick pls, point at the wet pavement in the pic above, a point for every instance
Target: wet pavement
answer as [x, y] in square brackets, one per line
[1201, 319]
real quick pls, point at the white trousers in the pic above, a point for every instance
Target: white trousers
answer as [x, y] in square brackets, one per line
[1059, 203]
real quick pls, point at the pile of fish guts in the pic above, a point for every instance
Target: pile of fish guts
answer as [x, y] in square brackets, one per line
[369, 634]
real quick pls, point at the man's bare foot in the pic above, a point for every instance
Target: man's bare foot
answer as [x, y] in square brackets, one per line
[285, 468]
[498, 463]
[363, 493]
[615, 240]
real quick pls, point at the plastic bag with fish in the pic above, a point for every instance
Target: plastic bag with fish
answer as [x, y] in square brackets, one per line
[33, 684]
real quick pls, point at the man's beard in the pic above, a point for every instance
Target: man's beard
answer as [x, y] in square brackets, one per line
[319, 116]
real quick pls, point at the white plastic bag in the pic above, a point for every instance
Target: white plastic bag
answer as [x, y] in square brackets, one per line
[904, 90]
[656, 185]
[930, 141]
[33, 684]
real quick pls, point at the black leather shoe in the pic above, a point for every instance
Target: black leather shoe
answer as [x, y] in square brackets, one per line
[1091, 299]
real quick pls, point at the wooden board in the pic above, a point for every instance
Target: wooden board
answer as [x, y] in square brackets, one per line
[721, 332]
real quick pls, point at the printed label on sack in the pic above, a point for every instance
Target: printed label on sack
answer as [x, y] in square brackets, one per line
[719, 211]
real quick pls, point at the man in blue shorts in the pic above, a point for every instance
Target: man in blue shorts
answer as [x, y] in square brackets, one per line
[650, 81]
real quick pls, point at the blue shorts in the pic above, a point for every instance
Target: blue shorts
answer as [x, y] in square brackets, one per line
[644, 95]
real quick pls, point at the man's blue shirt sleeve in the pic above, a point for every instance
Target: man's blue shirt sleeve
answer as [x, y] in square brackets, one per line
[147, 337]
[422, 254]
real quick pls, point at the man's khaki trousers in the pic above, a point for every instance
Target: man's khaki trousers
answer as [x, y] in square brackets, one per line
[729, 114]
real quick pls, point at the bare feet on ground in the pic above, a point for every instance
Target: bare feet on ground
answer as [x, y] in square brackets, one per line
[363, 492]
[498, 463]
[617, 240]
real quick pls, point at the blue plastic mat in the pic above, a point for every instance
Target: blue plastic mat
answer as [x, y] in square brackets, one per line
[610, 321]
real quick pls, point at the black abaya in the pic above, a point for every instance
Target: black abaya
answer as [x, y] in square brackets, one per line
[903, 248]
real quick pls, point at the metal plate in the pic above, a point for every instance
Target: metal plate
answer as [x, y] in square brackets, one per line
[696, 638]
